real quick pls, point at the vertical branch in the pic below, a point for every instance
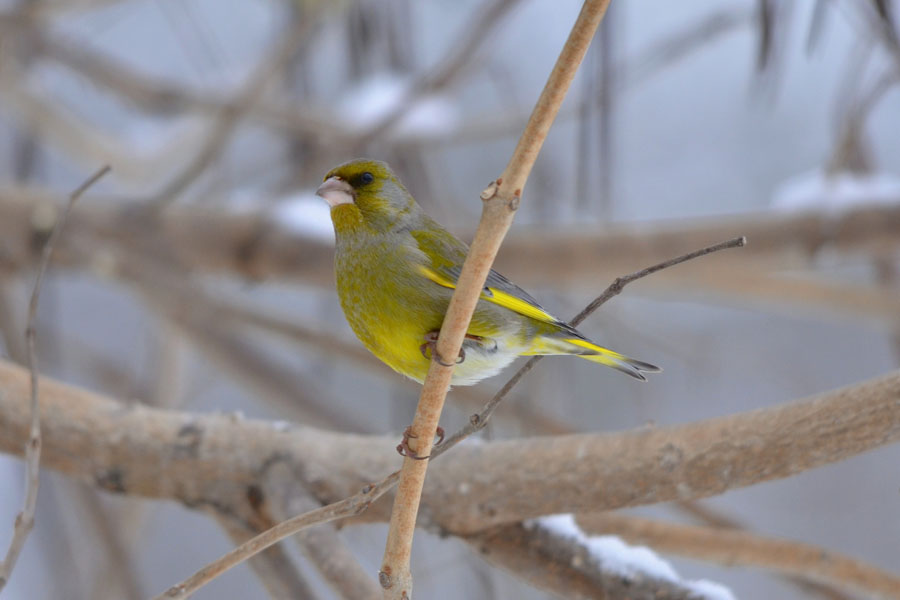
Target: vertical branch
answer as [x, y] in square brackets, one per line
[25, 519]
[501, 199]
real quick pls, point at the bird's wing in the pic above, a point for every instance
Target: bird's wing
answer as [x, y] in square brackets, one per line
[446, 255]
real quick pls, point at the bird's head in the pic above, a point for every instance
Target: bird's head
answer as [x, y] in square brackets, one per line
[365, 191]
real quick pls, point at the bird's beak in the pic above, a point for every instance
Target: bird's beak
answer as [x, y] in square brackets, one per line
[335, 191]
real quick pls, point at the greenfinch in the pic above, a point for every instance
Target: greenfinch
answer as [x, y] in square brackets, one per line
[396, 269]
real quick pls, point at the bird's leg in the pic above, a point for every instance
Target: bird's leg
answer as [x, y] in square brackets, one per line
[430, 345]
[403, 447]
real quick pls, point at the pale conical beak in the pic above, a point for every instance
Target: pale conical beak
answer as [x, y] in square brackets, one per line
[335, 191]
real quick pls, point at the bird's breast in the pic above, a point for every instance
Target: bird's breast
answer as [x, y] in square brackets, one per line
[390, 306]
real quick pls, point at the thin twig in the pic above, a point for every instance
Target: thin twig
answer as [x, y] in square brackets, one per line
[359, 502]
[25, 519]
[478, 421]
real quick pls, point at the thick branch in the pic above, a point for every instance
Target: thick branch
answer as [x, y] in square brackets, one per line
[653, 465]
[196, 458]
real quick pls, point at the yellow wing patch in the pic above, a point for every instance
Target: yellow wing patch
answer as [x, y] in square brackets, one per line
[496, 296]
[518, 305]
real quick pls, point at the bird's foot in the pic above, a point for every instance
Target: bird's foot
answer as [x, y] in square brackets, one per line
[403, 447]
[429, 348]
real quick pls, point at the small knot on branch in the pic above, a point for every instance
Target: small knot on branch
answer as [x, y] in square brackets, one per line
[384, 578]
[491, 190]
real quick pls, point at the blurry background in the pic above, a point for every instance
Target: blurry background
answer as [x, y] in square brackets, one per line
[198, 275]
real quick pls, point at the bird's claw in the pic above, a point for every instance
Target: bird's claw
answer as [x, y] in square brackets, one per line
[403, 448]
[429, 348]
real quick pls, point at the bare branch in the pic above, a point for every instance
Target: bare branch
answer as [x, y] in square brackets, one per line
[197, 458]
[661, 464]
[562, 567]
[25, 519]
[741, 548]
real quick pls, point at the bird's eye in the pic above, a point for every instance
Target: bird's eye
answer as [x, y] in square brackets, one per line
[367, 177]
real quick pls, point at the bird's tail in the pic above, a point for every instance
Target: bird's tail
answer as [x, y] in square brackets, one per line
[594, 353]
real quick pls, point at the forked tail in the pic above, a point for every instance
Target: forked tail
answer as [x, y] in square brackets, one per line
[620, 362]
[594, 353]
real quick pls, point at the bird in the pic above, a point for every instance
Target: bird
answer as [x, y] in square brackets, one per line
[396, 269]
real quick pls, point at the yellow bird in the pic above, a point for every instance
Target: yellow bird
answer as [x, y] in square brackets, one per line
[396, 270]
